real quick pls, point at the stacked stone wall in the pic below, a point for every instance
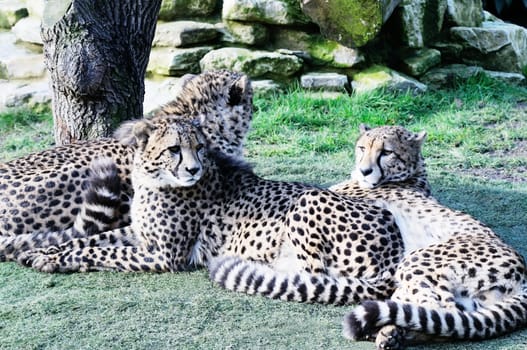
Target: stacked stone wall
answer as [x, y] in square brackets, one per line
[345, 46]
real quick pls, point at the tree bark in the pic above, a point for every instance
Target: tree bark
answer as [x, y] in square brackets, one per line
[97, 52]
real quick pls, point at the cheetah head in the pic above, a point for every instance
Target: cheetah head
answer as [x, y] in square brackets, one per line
[386, 154]
[221, 103]
[170, 151]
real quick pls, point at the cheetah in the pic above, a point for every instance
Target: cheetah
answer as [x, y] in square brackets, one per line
[320, 246]
[44, 191]
[373, 167]
[458, 279]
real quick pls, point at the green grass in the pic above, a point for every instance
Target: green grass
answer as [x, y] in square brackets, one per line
[23, 131]
[476, 154]
[476, 126]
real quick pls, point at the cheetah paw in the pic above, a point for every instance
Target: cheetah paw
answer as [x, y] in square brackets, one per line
[390, 338]
[39, 260]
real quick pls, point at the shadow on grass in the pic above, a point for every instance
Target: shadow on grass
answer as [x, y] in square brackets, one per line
[500, 205]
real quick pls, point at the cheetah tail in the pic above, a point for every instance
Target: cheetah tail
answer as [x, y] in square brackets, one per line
[250, 277]
[483, 323]
[102, 198]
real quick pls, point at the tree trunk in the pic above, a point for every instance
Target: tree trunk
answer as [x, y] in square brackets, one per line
[97, 52]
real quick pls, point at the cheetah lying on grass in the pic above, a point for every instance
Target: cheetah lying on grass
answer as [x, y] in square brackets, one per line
[253, 241]
[458, 279]
[407, 170]
[193, 204]
[44, 191]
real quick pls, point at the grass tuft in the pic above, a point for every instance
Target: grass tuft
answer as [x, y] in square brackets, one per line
[24, 131]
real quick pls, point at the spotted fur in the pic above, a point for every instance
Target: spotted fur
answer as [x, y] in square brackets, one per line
[168, 160]
[102, 204]
[403, 168]
[100, 212]
[387, 159]
[458, 279]
[44, 191]
[326, 247]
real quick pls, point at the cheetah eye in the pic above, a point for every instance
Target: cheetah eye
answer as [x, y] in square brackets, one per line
[361, 148]
[386, 152]
[175, 149]
[199, 147]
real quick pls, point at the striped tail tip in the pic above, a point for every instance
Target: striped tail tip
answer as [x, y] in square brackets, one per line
[483, 323]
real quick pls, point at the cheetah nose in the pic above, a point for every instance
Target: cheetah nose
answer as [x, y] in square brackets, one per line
[366, 172]
[192, 171]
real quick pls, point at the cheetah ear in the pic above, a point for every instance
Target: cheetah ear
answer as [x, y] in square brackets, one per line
[363, 128]
[420, 137]
[185, 79]
[238, 89]
[142, 131]
[124, 133]
[134, 133]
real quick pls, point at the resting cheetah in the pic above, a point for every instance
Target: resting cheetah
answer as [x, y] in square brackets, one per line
[458, 280]
[329, 248]
[44, 191]
[403, 168]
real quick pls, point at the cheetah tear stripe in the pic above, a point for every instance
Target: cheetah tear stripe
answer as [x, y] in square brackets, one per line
[483, 323]
[249, 277]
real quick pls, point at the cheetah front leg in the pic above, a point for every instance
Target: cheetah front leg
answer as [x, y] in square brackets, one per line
[11, 247]
[115, 238]
[127, 259]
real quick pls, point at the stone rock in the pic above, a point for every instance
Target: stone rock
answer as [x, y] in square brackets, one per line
[265, 86]
[36, 8]
[27, 66]
[465, 13]
[246, 33]
[320, 50]
[15, 94]
[17, 61]
[324, 81]
[11, 12]
[253, 63]
[174, 9]
[420, 61]
[327, 95]
[450, 52]
[184, 33]
[6, 88]
[159, 93]
[382, 77]
[352, 23]
[283, 12]
[511, 78]
[447, 76]
[494, 45]
[420, 21]
[176, 61]
[28, 30]
[489, 17]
